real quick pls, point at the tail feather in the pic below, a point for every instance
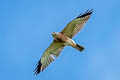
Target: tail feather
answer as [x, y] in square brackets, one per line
[79, 47]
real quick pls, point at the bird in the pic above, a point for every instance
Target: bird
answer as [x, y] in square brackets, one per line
[62, 39]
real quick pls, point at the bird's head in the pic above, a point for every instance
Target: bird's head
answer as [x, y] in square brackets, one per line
[55, 34]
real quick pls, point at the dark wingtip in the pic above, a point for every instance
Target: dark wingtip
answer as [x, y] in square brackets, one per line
[38, 68]
[88, 12]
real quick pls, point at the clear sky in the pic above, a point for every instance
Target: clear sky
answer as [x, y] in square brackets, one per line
[25, 33]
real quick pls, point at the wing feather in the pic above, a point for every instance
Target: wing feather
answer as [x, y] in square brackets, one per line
[49, 55]
[77, 24]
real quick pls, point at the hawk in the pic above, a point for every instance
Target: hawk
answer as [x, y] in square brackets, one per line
[62, 39]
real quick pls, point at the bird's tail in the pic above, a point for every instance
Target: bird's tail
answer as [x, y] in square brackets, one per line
[79, 47]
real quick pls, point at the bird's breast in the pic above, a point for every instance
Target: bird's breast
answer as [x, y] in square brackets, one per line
[61, 38]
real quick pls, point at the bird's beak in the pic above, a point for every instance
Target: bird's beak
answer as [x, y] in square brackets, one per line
[53, 32]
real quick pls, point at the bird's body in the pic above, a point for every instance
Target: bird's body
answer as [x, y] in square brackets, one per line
[66, 41]
[62, 39]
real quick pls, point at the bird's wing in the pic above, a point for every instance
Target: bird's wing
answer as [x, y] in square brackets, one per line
[77, 24]
[49, 55]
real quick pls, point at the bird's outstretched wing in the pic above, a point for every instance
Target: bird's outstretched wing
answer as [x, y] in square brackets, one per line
[77, 24]
[49, 55]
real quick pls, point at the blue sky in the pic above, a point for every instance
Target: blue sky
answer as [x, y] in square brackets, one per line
[25, 33]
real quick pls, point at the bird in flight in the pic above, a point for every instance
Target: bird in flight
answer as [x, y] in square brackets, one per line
[62, 39]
